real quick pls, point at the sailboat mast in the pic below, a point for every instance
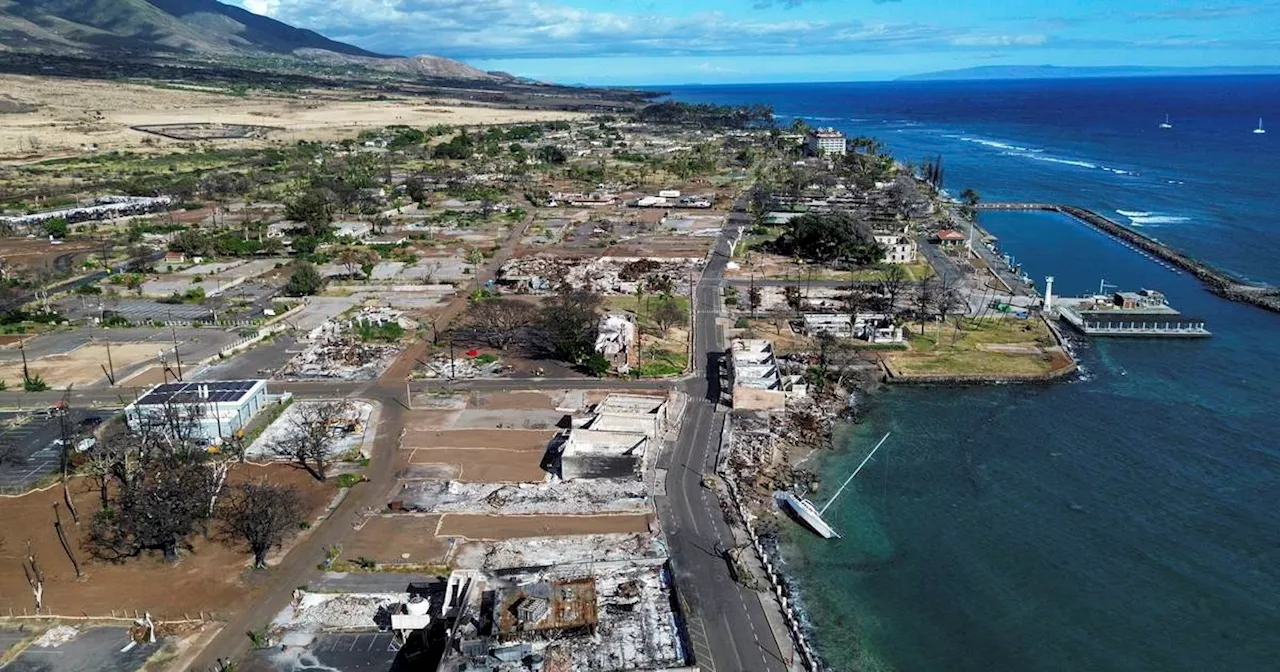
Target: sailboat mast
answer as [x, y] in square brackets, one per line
[855, 473]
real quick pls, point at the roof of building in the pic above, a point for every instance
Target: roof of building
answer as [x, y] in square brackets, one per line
[950, 234]
[220, 391]
[1130, 317]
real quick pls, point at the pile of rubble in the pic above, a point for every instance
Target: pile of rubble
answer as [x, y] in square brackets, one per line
[761, 464]
[636, 621]
[602, 275]
[337, 611]
[539, 551]
[335, 351]
[442, 366]
[563, 497]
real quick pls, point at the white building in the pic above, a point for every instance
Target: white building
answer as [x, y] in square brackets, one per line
[757, 383]
[826, 142]
[210, 411]
[353, 230]
[870, 327]
[899, 247]
[616, 340]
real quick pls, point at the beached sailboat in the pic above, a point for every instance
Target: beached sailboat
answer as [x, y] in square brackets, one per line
[811, 515]
[1259, 130]
[1166, 123]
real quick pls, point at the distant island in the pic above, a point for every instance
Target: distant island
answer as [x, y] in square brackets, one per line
[1061, 72]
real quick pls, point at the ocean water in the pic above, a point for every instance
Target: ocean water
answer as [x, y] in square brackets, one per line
[1127, 520]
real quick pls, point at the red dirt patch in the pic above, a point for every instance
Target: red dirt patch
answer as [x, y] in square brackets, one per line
[214, 577]
[479, 465]
[386, 538]
[516, 401]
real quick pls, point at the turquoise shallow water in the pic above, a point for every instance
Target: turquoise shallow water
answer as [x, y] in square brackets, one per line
[1124, 521]
[1128, 520]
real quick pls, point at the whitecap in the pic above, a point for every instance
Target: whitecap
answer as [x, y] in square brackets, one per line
[1160, 219]
[1135, 213]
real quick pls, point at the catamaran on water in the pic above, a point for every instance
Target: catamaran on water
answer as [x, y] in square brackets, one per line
[811, 515]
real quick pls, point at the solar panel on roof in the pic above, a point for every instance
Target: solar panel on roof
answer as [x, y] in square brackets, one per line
[220, 391]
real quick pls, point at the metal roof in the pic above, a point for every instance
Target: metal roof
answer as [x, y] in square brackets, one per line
[220, 391]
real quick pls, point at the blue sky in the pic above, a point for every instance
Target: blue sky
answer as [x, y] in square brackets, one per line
[721, 41]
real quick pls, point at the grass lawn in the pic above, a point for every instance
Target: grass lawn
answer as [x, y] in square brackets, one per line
[661, 354]
[992, 347]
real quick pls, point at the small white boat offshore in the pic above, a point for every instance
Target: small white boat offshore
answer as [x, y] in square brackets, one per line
[1166, 123]
[1259, 130]
[811, 515]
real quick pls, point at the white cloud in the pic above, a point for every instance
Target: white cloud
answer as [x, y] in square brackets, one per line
[493, 29]
[999, 40]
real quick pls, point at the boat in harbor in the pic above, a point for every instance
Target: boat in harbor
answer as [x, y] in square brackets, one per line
[1144, 313]
[1259, 130]
[811, 515]
[1167, 123]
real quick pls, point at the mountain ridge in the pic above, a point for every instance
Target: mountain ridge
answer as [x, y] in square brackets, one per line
[177, 29]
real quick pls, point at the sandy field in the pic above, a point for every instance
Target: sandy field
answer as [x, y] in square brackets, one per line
[213, 577]
[39, 252]
[80, 366]
[480, 526]
[74, 113]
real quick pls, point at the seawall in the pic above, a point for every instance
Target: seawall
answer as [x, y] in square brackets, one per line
[1217, 281]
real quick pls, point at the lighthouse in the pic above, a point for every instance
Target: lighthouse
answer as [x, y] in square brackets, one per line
[1048, 294]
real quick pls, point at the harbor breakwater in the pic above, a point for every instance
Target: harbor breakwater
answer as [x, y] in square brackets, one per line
[1217, 281]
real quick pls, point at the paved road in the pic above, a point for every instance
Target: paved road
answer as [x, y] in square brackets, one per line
[727, 626]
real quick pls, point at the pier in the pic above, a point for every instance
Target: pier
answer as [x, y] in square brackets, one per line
[1219, 282]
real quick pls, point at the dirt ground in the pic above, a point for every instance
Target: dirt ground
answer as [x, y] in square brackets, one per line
[148, 377]
[481, 526]
[215, 576]
[387, 538]
[510, 439]
[73, 113]
[38, 252]
[80, 366]
[516, 401]
[486, 465]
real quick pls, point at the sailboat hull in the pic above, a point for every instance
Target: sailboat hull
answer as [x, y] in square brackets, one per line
[809, 515]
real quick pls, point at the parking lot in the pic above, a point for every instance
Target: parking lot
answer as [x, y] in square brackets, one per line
[31, 437]
[333, 652]
[91, 650]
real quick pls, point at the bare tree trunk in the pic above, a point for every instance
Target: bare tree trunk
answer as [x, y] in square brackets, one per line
[35, 577]
[62, 537]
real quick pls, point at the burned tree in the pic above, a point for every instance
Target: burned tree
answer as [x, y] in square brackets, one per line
[500, 321]
[262, 515]
[310, 436]
[35, 576]
[162, 506]
[669, 314]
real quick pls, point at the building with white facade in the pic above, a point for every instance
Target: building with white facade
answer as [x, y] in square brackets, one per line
[755, 379]
[870, 327]
[826, 142]
[209, 411]
[899, 246]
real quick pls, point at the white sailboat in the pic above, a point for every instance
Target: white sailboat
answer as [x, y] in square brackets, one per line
[1167, 123]
[812, 515]
[1259, 130]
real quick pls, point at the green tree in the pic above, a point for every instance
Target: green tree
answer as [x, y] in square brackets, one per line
[313, 209]
[551, 154]
[831, 237]
[57, 227]
[569, 324]
[669, 314]
[304, 281]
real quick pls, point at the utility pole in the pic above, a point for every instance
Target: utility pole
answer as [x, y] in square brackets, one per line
[177, 358]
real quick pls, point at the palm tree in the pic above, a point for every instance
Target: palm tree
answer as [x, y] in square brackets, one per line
[970, 197]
